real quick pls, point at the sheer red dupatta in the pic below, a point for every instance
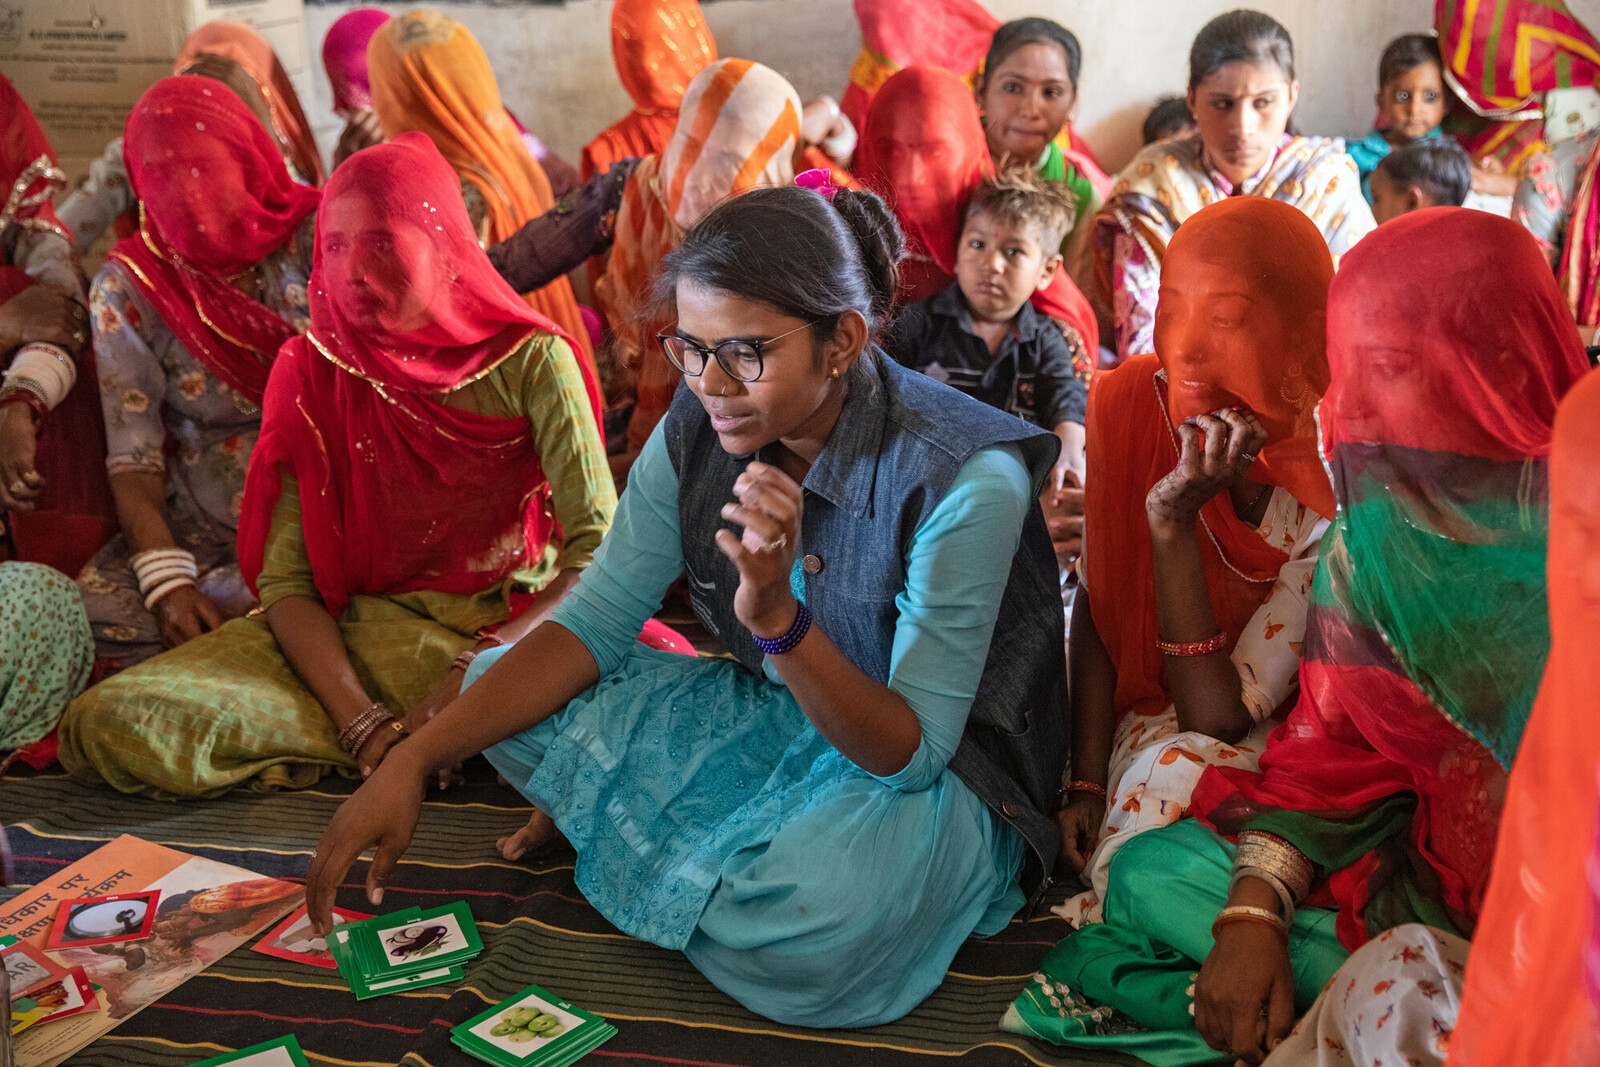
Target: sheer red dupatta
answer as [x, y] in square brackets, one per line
[923, 150]
[1427, 629]
[399, 492]
[215, 199]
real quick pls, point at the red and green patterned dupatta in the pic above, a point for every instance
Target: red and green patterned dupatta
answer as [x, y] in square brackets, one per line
[1449, 348]
[1500, 56]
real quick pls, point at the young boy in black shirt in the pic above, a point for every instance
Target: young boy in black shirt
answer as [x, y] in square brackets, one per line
[983, 337]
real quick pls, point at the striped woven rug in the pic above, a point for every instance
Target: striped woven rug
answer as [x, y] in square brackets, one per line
[536, 928]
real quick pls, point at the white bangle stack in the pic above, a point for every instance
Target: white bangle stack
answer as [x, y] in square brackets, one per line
[161, 570]
[44, 370]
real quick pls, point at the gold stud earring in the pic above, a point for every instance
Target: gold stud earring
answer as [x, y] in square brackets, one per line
[834, 373]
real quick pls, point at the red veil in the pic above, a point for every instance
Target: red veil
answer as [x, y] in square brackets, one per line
[1449, 348]
[923, 151]
[399, 491]
[215, 198]
[74, 516]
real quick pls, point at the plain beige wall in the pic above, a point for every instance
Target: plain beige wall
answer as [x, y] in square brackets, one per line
[555, 70]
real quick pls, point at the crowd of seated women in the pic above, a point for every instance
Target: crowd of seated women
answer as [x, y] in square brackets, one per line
[1168, 548]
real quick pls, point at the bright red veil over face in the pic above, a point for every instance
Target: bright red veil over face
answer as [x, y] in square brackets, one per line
[216, 199]
[399, 491]
[923, 151]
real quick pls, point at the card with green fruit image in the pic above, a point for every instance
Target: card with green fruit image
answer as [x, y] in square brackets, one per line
[532, 1029]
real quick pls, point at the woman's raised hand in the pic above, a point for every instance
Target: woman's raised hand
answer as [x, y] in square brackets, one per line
[382, 813]
[1214, 452]
[768, 504]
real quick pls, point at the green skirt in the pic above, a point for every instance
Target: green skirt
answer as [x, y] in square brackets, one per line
[1123, 985]
[226, 709]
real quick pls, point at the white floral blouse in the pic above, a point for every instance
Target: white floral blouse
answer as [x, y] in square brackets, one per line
[161, 404]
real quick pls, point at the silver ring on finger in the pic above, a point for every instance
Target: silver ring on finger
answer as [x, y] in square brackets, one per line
[18, 487]
[774, 546]
[1248, 457]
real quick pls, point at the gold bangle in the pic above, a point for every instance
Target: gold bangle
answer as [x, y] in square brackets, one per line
[1237, 913]
[1278, 857]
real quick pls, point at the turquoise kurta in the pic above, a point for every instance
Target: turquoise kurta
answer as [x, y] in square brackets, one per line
[710, 816]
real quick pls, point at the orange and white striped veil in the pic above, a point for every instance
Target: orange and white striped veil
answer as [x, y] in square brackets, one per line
[737, 130]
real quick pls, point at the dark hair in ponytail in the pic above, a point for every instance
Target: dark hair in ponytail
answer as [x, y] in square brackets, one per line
[1018, 32]
[1241, 36]
[793, 250]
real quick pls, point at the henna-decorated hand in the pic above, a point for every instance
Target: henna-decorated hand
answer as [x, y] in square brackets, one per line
[1214, 452]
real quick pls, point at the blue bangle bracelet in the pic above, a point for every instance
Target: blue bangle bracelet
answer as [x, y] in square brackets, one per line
[777, 646]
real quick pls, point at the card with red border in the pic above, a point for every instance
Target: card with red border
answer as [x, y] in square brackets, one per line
[104, 920]
[29, 968]
[293, 939]
[69, 995]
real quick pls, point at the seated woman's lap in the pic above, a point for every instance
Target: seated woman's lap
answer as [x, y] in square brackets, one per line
[851, 913]
[226, 709]
[843, 909]
[1161, 881]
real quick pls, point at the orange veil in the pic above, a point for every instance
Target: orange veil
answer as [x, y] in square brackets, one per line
[1528, 1001]
[429, 74]
[1131, 439]
[242, 44]
[659, 46]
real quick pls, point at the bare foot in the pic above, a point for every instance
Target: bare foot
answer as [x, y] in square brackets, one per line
[539, 834]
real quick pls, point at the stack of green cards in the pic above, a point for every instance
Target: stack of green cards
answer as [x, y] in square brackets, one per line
[532, 1029]
[405, 949]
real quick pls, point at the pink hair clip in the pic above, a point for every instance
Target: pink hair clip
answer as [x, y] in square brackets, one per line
[819, 181]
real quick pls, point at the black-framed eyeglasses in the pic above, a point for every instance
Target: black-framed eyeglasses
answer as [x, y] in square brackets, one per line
[739, 360]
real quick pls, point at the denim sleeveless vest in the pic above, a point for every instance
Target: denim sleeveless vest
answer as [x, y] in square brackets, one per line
[899, 443]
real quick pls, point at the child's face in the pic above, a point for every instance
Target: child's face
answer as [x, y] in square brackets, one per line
[999, 266]
[1390, 199]
[1411, 103]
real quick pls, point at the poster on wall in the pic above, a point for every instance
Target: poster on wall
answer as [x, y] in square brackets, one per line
[81, 64]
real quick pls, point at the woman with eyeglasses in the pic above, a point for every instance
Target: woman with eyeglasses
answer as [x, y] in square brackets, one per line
[822, 819]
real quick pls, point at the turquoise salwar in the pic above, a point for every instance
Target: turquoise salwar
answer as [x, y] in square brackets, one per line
[1123, 985]
[709, 816]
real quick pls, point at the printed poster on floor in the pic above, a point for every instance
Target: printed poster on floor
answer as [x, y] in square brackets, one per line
[205, 910]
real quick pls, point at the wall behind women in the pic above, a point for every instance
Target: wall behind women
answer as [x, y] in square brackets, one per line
[553, 60]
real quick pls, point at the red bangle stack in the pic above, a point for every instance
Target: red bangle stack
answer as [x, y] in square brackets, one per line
[24, 396]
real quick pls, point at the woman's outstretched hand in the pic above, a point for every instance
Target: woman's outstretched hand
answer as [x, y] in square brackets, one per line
[768, 505]
[382, 813]
[1214, 452]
